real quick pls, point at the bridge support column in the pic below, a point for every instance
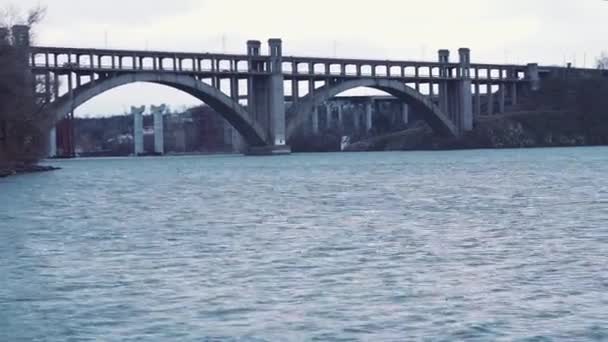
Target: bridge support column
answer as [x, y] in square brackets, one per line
[444, 96]
[405, 114]
[533, 76]
[465, 115]
[138, 130]
[238, 144]
[490, 95]
[328, 116]
[455, 96]
[369, 120]
[514, 100]
[477, 100]
[268, 99]
[53, 142]
[159, 134]
[340, 117]
[315, 121]
[357, 119]
[501, 98]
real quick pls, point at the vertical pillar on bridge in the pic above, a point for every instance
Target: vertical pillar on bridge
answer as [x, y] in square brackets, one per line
[238, 144]
[405, 114]
[277, 94]
[357, 118]
[444, 60]
[255, 91]
[328, 116]
[159, 129]
[266, 98]
[465, 115]
[315, 120]
[512, 90]
[53, 143]
[340, 117]
[369, 120]
[138, 130]
[533, 76]
[455, 96]
[501, 97]
[477, 99]
[490, 95]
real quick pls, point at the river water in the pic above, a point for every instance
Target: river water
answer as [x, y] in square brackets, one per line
[469, 245]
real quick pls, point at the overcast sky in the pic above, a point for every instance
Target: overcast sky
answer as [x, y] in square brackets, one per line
[514, 31]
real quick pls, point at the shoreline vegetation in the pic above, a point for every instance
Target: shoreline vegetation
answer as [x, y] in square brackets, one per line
[509, 130]
[24, 119]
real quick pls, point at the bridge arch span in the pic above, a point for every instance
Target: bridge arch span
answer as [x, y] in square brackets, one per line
[230, 109]
[438, 121]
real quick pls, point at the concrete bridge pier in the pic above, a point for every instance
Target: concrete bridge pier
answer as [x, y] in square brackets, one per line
[159, 134]
[369, 120]
[329, 116]
[490, 95]
[357, 119]
[477, 99]
[501, 98]
[315, 121]
[465, 122]
[138, 130]
[340, 117]
[266, 98]
[533, 76]
[455, 96]
[238, 144]
[514, 99]
[405, 114]
[53, 143]
[444, 59]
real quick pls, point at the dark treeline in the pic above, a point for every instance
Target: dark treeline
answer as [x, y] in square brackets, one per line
[196, 130]
[24, 124]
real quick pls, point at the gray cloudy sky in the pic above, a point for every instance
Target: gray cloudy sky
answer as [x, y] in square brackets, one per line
[515, 31]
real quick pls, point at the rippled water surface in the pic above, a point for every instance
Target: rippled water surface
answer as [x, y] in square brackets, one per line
[486, 245]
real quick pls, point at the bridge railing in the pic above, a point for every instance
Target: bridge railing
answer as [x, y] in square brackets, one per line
[83, 60]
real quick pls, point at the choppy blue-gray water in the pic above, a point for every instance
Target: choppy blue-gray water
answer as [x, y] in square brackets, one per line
[485, 245]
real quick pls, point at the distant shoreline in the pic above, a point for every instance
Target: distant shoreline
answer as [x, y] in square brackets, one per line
[24, 169]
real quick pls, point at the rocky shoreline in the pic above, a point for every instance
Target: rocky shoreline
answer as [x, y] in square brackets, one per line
[23, 169]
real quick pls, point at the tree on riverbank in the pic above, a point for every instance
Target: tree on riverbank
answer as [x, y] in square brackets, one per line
[602, 61]
[24, 123]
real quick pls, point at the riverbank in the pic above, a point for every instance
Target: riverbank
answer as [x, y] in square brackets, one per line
[512, 130]
[23, 169]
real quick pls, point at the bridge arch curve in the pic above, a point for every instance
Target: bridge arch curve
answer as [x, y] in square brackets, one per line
[438, 121]
[230, 109]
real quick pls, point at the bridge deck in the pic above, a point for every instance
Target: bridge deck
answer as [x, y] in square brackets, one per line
[83, 61]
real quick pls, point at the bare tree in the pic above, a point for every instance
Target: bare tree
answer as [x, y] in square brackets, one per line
[602, 61]
[24, 123]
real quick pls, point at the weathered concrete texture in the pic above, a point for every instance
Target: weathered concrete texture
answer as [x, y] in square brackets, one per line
[533, 76]
[466, 96]
[405, 114]
[138, 129]
[53, 142]
[315, 120]
[159, 134]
